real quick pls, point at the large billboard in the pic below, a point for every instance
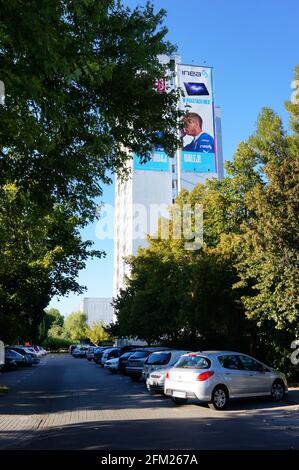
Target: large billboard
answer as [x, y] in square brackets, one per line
[199, 146]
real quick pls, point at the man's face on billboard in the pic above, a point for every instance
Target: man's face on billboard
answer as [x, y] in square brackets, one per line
[191, 126]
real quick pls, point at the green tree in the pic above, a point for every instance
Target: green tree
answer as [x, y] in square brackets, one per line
[57, 331]
[182, 297]
[269, 260]
[96, 333]
[75, 326]
[80, 90]
[54, 317]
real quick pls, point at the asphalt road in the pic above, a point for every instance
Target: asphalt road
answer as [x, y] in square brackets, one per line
[67, 403]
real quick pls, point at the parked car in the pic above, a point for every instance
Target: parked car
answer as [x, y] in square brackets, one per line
[157, 365]
[110, 353]
[98, 352]
[72, 347]
[215, 377]
[123, 360]
[80, 351]
[112, 365]
[90, 353]
[13, 359]
[33, 350]
[160, 359]
[135, 363]
[31, 357]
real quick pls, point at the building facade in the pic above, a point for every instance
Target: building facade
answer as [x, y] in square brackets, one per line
[97, 309]
[152, 187]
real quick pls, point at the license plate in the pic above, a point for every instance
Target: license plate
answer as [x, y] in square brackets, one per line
[179, 394]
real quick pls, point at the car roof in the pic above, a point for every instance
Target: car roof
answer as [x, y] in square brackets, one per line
[217, 352]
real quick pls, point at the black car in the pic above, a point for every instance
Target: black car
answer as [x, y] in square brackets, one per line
[122, 363]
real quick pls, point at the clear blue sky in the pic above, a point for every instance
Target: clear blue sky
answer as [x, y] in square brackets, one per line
[252, 46]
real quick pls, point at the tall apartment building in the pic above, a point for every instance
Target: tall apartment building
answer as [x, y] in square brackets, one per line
[153, 186]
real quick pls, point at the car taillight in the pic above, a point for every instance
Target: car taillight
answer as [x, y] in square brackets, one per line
[167, 375]
[204, 376]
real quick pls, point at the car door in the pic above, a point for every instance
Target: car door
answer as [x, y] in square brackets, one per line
[258, 376]
[233, 374]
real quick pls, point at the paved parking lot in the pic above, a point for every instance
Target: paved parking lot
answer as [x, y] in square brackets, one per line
[67, 403]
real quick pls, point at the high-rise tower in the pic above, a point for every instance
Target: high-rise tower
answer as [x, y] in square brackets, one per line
[153, 186]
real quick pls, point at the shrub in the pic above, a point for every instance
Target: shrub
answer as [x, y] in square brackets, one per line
[55, 344]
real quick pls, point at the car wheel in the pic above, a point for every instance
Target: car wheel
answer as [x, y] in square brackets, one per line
[277, 390]
[179, 401]
[219, 398]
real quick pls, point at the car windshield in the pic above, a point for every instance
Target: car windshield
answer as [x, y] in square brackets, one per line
[193, 362]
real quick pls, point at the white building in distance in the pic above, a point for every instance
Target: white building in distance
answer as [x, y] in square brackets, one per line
[97, 309]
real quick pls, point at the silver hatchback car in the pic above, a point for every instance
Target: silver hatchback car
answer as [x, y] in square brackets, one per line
[217, 376]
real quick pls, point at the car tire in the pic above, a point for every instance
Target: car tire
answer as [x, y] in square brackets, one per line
[179, 401]
[220, 398]
[277, 391]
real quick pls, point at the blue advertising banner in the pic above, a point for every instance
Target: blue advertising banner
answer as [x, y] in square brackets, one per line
[198, 134]
[158, 162]
[198, 162]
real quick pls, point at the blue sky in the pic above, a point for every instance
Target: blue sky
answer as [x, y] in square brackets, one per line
[252, 46]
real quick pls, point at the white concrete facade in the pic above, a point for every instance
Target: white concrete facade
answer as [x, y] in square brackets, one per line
[139, 203]
[97, 309]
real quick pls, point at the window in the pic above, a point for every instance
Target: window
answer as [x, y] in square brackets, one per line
[193, 362]
[229, 362]
[140, 354]
[158, 359]
[250, 364]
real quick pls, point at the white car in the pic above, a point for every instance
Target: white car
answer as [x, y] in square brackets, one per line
[112, 365]
[157, 365]
[217, 376]
[156, 380]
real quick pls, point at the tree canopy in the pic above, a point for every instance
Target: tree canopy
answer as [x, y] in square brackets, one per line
[80, 92]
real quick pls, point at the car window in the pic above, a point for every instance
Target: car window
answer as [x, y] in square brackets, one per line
[140, 354]
[230, 362]
[125, 355]
[114, 353]
[193, 362]
[158, 359]
[248, 363]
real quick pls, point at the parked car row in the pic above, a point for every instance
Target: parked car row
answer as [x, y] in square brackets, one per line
[22, 356]
[213, 377]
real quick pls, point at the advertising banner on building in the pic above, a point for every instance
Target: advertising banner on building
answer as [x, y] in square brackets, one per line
[199, 147]
[158, 162]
